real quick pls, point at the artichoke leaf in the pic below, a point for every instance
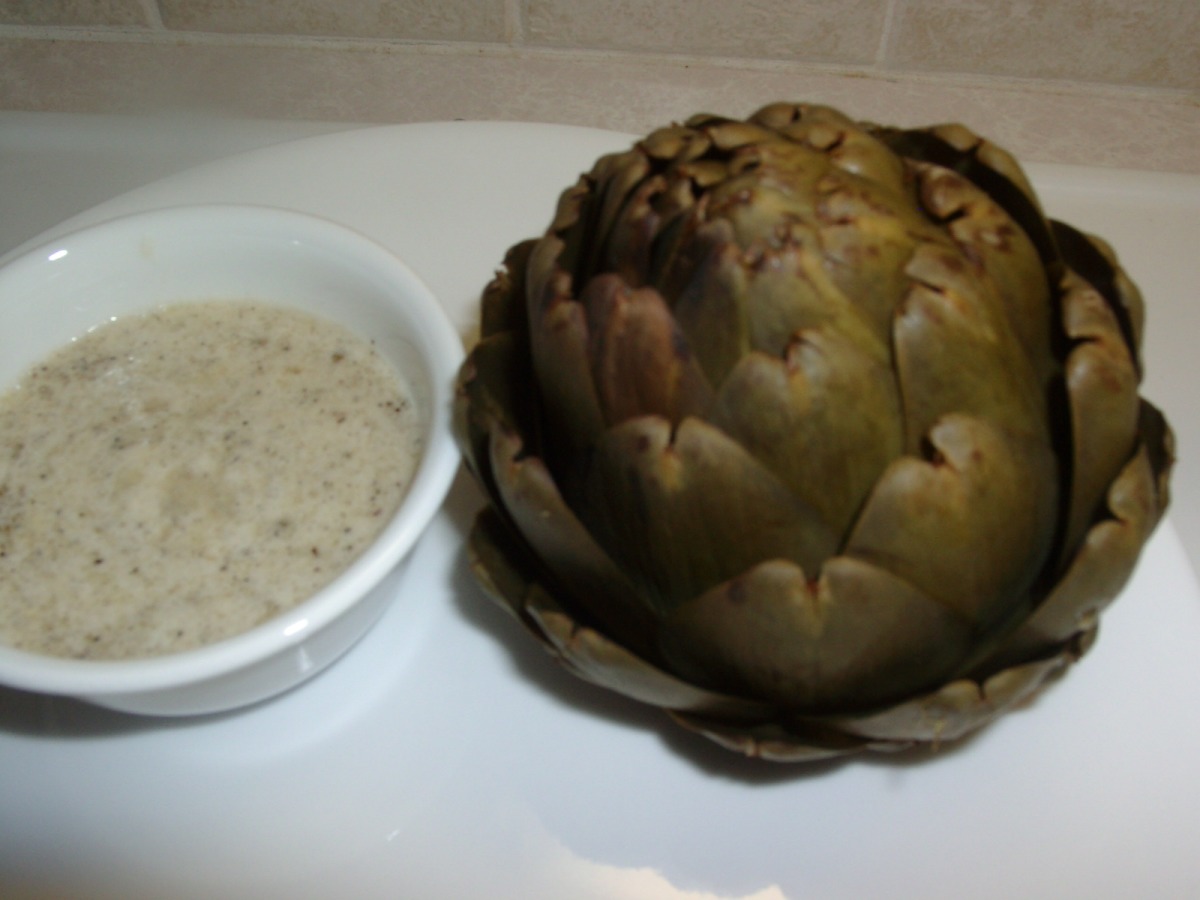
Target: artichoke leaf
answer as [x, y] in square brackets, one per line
[867, 234]
[835, 642]
[487, 398]
[676, 144]
[681, 510]
[969, 526]
[996, 248]
[560, 346]
[615, 179]
[825, 419]
[532, 503]
[844, 142]
[705, 284]
[727, 135]
[990, 155]
[771, 741]
[641, 363]
[596, 658]
[508, 574]
[1099, 570]
[1103, 402]
[631, 237]
[953, 355]
[959, 707]
[502, 306]
[1096, 263]
[787, 289]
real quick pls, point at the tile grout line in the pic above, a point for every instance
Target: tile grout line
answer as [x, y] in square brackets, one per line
[514, 23]
[885, 34]
[153, 11]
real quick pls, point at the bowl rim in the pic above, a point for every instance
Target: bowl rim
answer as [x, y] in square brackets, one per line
[426, 493]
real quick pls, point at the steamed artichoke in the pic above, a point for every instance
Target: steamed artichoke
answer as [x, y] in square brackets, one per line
[817, 434]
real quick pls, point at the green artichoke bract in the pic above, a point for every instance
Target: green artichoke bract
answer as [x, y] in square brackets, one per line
[817, 434]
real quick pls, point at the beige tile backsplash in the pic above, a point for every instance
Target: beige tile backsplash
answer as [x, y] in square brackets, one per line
[417, 20]
[1109, 82]
[1134, 42]
[840, 31]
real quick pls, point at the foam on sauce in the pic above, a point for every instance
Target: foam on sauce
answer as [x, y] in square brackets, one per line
[173, 479]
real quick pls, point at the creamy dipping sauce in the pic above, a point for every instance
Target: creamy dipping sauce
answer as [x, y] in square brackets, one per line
[173, 479]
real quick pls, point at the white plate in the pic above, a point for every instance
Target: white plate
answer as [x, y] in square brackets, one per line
[446, 757]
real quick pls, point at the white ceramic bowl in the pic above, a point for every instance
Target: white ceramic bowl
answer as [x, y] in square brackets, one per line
[57, 292]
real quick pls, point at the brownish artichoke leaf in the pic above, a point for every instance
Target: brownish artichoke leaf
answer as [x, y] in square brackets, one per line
[561, 356]
[705, 285]
[1099, 569]
[847, 144]
[577, 566]
[997, 249]
[488, 397]
[681, 510]
[968, 526]
[771, 741]
[1102, 397]
[825, 419]
[958, 708]
[595, 657]
[786, 289]
[956, 354]
[502, 307]
[856, 636]
[641, 363]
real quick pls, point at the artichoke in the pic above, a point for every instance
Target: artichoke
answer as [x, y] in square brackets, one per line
[816, 434]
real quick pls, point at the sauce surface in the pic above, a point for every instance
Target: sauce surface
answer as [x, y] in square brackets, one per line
[172, 479]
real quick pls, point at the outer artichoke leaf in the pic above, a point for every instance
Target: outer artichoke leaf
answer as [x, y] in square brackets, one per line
[771, 741]
[971, 526]
[502, 307]
[995, 158]
[705, 285]
[992, 243]
[641, 363]
[632, 234]
[825, 419]
[1102, 396]
[547, 282]
[577, 566]
[1096, 263]
[501, 562]
[560, 346]
[488, 397]
[596, 658]
[615, 179]
[683, 511]
[1099, 570]
[995, 172]
[787, 172]
[855, 637]
[955, 355]
[509, 574]
[960, 707]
